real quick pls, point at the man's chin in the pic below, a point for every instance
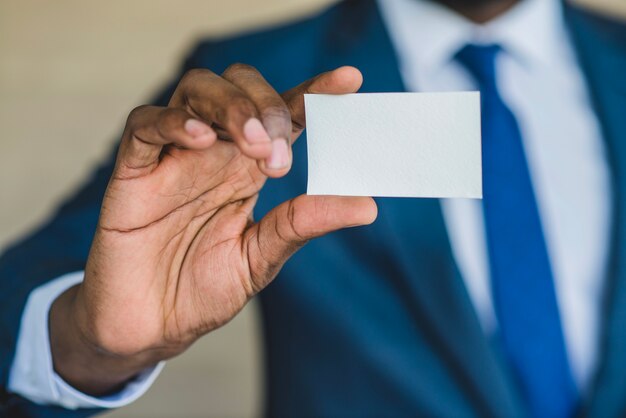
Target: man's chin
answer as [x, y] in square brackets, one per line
[471, 3]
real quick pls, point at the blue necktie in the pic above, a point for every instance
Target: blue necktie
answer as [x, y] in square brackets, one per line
[521, 277]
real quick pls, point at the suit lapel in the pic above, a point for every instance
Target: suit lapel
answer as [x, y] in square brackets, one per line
[430, 282]
[604, 62]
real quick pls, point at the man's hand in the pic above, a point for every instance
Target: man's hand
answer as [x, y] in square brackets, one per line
[177, 253]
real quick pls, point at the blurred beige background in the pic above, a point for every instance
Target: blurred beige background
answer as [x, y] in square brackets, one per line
[70, 71]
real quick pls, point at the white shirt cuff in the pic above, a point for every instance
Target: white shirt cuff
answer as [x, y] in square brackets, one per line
[32, 374]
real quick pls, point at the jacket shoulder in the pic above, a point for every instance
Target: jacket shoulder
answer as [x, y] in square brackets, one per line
[290, 45]
[610, 28]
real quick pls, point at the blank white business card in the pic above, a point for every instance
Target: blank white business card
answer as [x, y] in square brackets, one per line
[394, 144]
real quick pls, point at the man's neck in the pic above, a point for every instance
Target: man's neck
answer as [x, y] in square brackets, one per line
[479, 11]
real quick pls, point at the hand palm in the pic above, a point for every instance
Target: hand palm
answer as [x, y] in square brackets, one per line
[175, 225]
[176, 253]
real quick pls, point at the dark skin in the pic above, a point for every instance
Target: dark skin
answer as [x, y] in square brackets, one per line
[479, 11]
[176, 253]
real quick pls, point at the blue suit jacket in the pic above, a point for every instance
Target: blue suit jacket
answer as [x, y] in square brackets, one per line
[373, 321]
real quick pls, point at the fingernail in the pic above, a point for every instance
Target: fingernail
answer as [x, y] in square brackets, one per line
[280, 154]
[254, 132]
[196, 128]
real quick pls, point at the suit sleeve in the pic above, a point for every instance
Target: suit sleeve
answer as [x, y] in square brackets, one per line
[58, 247]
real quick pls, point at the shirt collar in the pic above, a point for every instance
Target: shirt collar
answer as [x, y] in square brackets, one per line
[430, 34]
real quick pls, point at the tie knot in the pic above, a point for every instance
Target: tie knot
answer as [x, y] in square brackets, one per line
[480, 61]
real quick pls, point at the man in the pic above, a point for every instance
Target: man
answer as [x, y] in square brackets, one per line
[514, 306]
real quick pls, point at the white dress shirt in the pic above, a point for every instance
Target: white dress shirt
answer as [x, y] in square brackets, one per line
[540, 80]
[32, 373]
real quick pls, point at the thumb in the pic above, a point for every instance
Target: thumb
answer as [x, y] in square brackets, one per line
[289, 226]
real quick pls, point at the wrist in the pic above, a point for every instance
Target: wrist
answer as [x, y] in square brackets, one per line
[79, 360]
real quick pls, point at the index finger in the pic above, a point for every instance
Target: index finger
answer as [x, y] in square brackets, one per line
[226, 108]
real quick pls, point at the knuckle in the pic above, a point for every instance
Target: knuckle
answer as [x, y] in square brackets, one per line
[136, 118]
[240, 104]
[240, 70]
[278, 116]
[168, 120]
[297, 227]
[193, 75]
[277, 111]
[136, 112]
